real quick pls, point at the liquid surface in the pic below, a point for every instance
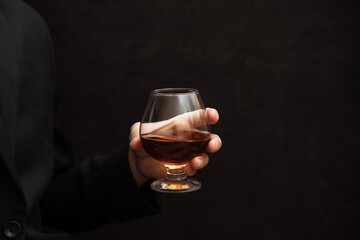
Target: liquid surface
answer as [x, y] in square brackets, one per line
[175, 148]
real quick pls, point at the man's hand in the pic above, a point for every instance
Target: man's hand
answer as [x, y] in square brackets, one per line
[145, 167]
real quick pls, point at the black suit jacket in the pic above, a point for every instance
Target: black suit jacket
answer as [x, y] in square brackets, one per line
[40, 189]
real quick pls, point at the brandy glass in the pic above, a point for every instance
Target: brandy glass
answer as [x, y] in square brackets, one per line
[173, 130]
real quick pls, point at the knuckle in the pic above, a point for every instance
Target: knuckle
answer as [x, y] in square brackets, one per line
[134, 126]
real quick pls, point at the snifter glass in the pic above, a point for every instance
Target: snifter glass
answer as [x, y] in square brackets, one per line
[174, 130]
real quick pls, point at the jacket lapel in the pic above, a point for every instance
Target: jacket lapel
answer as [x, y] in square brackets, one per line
[9, 90]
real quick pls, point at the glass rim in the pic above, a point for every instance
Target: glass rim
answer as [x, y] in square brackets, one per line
[173, 91]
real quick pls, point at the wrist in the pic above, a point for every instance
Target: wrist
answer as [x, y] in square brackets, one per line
[139, 177]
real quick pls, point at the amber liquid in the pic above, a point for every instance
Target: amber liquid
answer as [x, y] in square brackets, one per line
[175, 148]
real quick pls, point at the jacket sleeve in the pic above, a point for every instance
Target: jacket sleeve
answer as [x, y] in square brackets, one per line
[97, 191]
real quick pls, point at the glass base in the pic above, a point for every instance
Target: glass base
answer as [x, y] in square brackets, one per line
[166, 186]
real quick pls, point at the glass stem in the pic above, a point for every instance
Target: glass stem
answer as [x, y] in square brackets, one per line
[175, 172]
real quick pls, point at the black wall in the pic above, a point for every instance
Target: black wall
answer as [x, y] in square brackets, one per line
[284, 76]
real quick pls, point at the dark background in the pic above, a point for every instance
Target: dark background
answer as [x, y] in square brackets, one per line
[284, 76]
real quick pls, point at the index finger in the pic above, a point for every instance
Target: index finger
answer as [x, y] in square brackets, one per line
[195, 119]
[199, 117]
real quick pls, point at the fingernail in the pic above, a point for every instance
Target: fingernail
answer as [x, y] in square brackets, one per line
[200, 162]
[217, 144]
